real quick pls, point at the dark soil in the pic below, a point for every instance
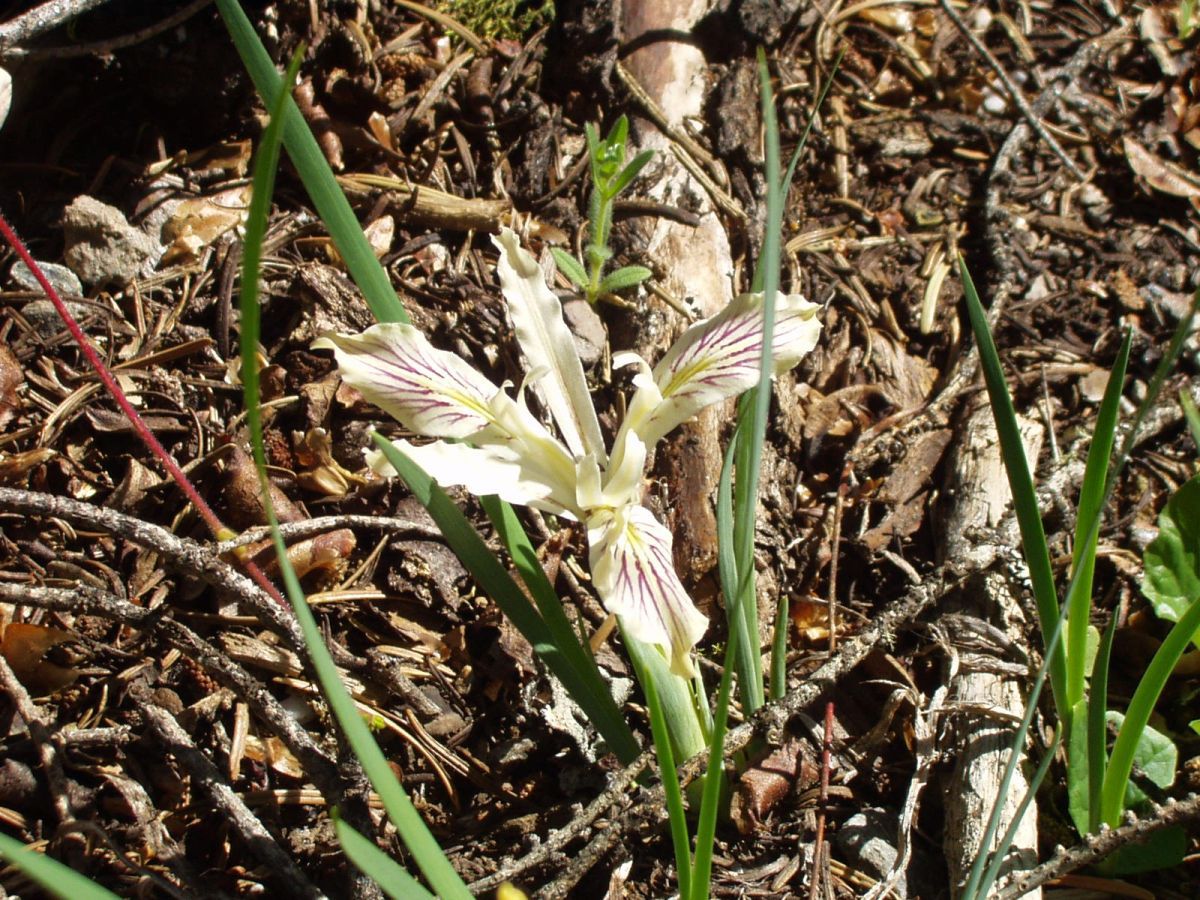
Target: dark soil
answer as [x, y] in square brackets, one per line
[902, 161]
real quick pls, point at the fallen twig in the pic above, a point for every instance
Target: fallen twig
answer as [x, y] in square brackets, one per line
[207, 778]
[1098, 846]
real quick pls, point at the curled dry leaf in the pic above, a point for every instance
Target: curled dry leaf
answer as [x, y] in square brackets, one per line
[1159, 174]
[12, 377]
[322, 473]
[199, 221]
[17, 465]
[765, 784]
[243, 495]
[25, 648]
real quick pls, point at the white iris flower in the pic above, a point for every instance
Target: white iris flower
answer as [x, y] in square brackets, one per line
[497, 446]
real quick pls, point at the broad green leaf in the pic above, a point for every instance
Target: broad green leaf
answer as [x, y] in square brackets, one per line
[1078, 783]
[569, 266]
[1172, 561]
[1155, 756]
[1164, 849]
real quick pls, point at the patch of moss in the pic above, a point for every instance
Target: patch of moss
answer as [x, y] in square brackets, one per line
[511, 19]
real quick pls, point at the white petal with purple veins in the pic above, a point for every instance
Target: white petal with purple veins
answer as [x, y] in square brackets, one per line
[632, 567]
[720, 358]
[430, 391]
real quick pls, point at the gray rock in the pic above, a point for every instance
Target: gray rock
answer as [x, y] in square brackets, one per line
[63, 279]
[588, 329]
[45, 320]
[102, 247]
[868, 840]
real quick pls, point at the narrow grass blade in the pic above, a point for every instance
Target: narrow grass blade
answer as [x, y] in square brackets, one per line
[779, 645]
[597, 702]
[676, 814]
[1006, 841]
[1097, 731]
[314, 171]
[714, 776]
[1054, 645]
[1020, 481]
[391, 877]
[1137, 717]
[411, 827]
[592, 695]
[52, 876]
[750, 441]
[1091, 502]
[675, 693]
[1192, 415]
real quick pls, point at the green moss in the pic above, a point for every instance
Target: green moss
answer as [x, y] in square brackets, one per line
[511, 19]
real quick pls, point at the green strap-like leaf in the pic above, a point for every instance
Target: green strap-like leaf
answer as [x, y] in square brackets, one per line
[588, 690]
[314, 171]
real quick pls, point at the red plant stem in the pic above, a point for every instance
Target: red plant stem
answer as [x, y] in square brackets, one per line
[819, 848]
[214, 523]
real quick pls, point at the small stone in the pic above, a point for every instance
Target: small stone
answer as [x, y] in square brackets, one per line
[43, 316]
[585, 323]
[867, 838]
[60, 277]
[102, 247]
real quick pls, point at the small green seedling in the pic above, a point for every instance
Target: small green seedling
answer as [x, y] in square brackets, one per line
[610, 176]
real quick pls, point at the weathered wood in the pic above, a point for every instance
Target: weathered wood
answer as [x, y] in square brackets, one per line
[980, 740]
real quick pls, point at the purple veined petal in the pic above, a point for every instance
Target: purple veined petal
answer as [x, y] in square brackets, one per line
[430, 391]
[720, 357]
[632, 567]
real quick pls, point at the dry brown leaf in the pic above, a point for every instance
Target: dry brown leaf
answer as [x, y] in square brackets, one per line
[243, 495]
[25, 647]
[907, 490]
[793, 765]
[271, 752]
[17, 465]
[12, 377]
[197, 222]
[1159, 174]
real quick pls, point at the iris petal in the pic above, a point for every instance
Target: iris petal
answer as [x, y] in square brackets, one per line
[719, 358]
[548, 346]
[630, 555]
[430, 391]
[481, 470]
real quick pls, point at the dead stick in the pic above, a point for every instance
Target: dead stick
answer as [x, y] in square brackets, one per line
[207, 778]
[1032, 117]
[47, 751]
